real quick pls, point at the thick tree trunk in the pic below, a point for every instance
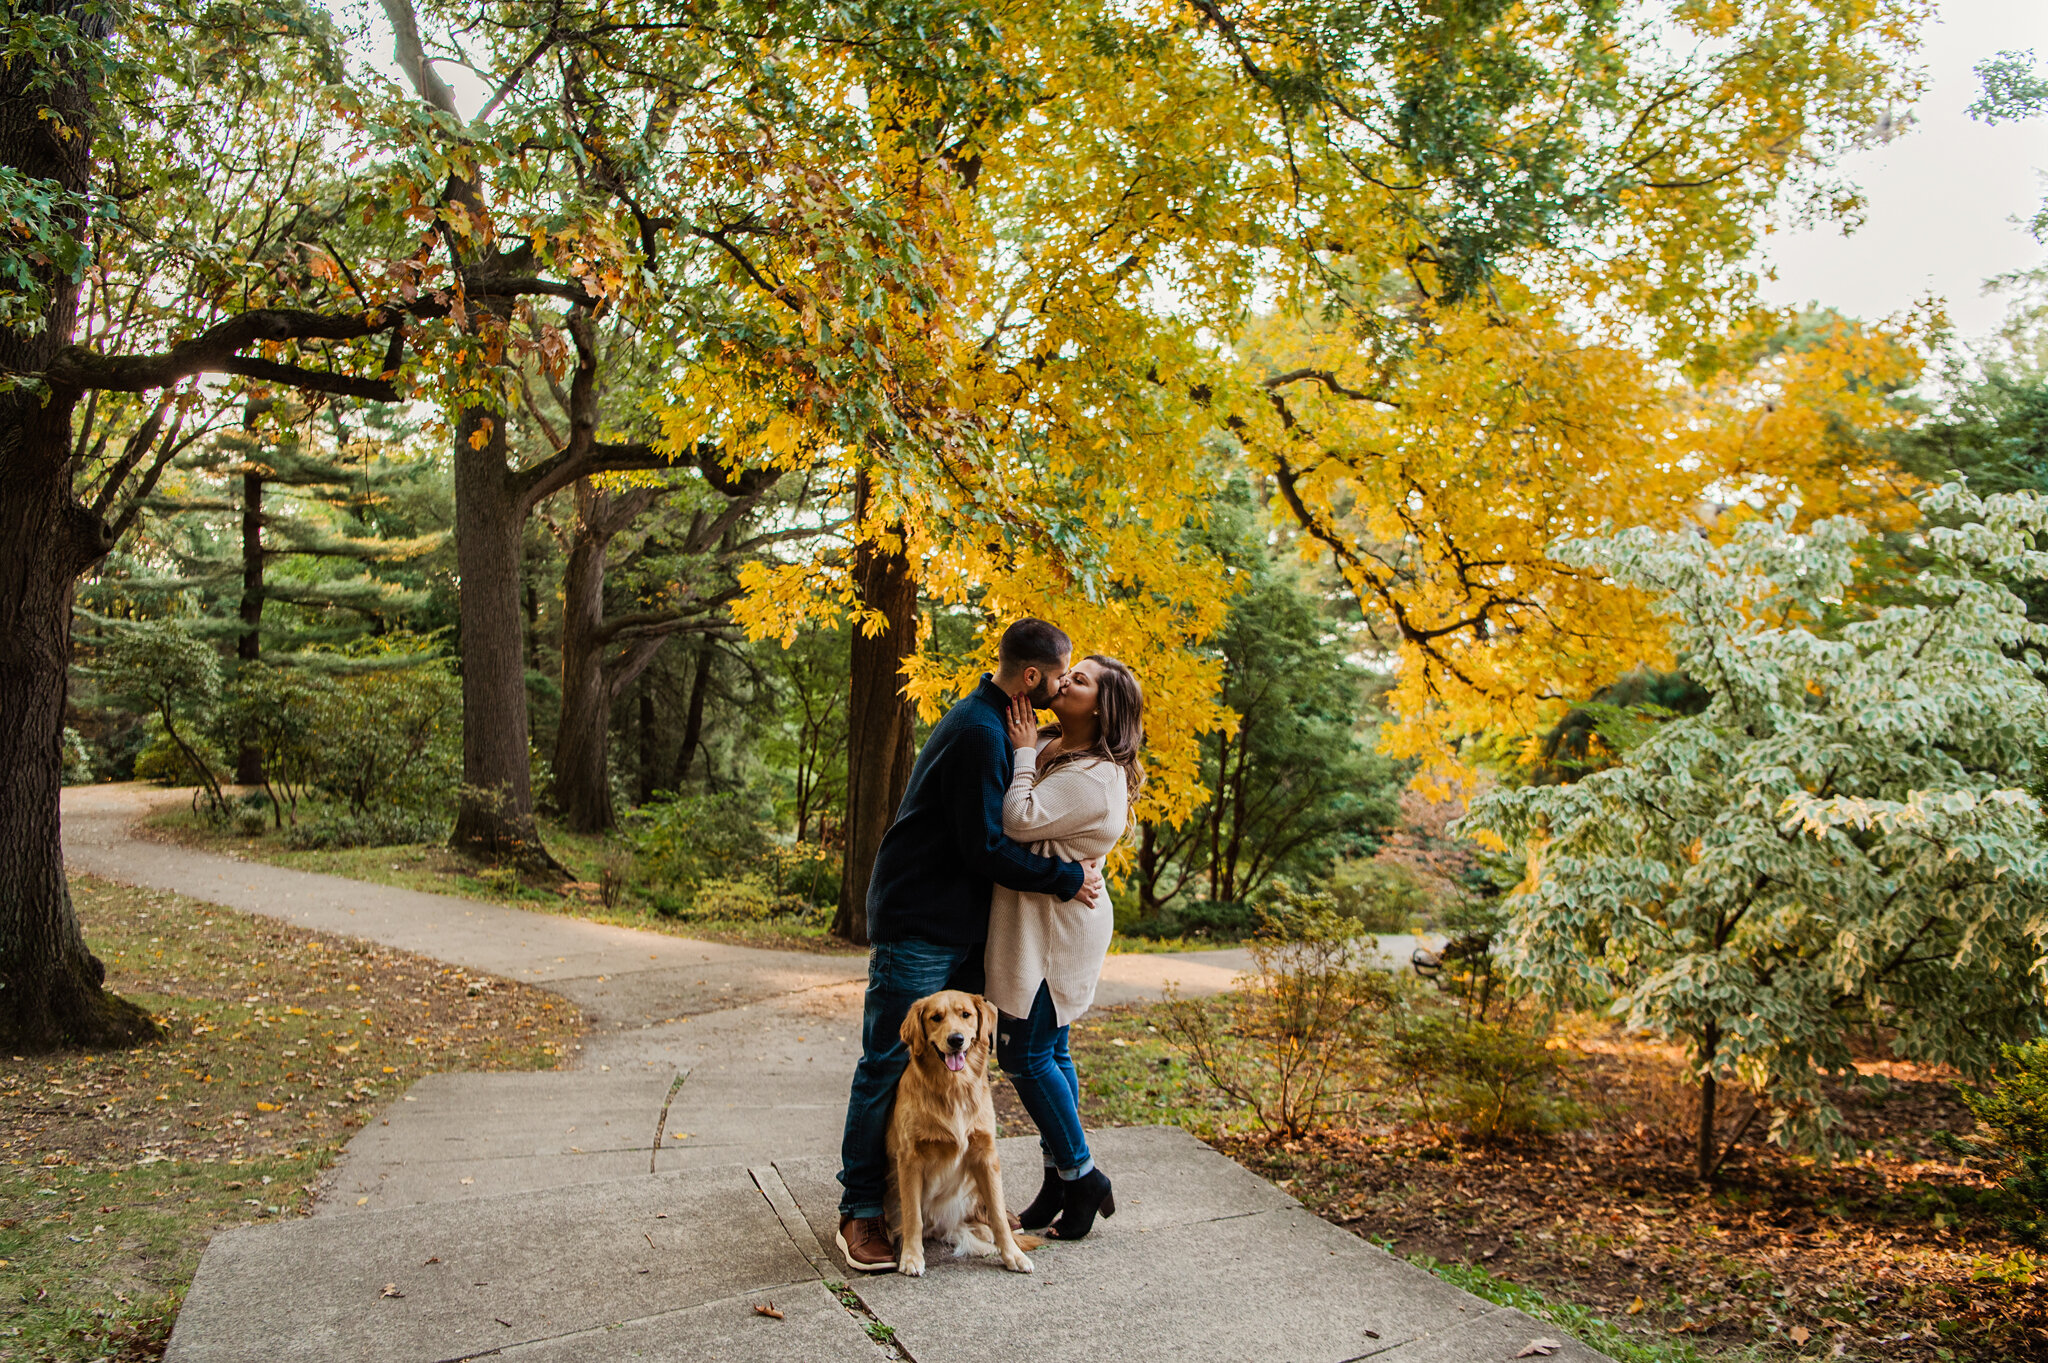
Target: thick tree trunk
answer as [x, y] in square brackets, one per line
[249, 645]
[50, 992]
[50, 984]
[582, 778]
[880, 722]
[494, 811]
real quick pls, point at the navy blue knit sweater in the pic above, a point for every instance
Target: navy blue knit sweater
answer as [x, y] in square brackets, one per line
[941, 860]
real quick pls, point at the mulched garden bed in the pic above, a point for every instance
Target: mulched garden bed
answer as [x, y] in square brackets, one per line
[1894, 1254]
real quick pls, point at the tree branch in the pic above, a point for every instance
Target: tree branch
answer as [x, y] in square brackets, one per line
[217, 350]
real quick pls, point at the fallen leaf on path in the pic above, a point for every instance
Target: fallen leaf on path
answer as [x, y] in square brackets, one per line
[1800, 1334]
[1635, 1307]
[768, 1310]
[391, 1290]
[435, 1260]
[1539, 1348]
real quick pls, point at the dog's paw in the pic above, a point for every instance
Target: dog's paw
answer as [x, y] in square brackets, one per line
[910, 1265]
[1017, 1261]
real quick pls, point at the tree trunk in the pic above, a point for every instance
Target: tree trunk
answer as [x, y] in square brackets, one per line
[1148, 872]
[583, 789]
[693, 721]
[50, 983]
[494, 810]
[880, 721]
[249, 645]
[1710, 1042]
[648, 738]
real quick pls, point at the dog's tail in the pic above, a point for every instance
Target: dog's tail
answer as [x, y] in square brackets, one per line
[1027, 1243]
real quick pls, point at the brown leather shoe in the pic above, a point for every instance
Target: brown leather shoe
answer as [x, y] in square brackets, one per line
[864, 1240]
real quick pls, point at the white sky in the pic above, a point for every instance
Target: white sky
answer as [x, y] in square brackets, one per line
[1941, 197]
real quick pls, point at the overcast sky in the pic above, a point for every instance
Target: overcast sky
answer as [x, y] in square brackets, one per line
[1941, 197]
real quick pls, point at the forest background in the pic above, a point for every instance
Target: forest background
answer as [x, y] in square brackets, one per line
[570, 451]
[651, 425]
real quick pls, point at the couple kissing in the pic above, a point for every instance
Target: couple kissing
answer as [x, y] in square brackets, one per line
[989, 883]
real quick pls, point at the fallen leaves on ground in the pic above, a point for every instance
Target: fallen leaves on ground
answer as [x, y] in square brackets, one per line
[116, 1167]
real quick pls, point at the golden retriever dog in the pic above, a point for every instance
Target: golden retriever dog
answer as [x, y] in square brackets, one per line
[945, 1184]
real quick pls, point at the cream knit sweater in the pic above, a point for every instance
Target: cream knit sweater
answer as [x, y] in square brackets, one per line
[1076, 813]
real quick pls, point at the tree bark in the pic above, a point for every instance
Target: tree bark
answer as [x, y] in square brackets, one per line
[693, 719]
[249, 644]
[494, 810]
[1710, 1042]
[51, 991]
[880, 722]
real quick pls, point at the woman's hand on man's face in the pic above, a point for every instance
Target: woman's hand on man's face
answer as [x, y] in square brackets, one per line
[1022, 722]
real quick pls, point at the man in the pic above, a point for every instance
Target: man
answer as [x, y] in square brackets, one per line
[928, 904]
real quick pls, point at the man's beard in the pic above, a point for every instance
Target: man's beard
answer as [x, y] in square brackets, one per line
[1042, 694]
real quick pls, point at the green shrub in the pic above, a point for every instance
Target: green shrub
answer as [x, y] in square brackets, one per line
[1291, 1042]
[805, 871]
[2015, 1108]
[162, 759]
[684, 840]
[1218, 920]
[392, 727]
[160, 669]
[1489, 1079]
[744, 898]
[286, 714]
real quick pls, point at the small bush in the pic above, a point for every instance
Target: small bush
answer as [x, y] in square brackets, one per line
[1290, 1044]
[1490, 1079]
[684, 840]
[250, 823]
[1219, 920]
[2015, 1108]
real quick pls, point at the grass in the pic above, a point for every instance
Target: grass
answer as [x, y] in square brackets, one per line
[1578, 1321]
[116, 1168]
[436, 870]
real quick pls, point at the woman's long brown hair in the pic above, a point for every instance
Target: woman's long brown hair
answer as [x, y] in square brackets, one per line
[1119, 724]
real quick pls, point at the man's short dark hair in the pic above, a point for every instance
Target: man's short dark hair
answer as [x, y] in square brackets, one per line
[1034, 643]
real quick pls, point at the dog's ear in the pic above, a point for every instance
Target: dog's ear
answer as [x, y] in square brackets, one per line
[988, 1021]
[912, 1033]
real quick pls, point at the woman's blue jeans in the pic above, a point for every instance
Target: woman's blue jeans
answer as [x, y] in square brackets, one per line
[1033, 1052]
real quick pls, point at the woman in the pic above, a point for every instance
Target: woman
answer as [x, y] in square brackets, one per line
[1070, 796]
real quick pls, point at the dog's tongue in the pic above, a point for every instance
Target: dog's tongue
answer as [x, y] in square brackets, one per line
[955, 1060]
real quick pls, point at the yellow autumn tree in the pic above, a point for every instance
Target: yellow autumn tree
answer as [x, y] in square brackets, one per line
[1459, 281]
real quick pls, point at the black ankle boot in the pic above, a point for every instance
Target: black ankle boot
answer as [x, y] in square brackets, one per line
[1046, 1205]
[1080, 1200]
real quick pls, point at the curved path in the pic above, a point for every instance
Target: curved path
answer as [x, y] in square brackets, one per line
[643, 1203]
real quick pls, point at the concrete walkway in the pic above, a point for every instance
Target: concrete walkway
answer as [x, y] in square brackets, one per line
[643, 1202]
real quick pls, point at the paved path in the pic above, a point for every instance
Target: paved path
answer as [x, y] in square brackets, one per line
[642, 1202]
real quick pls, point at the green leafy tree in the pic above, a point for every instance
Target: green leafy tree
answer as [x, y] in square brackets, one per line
[1843, 839]
[280, 714]
[2013, 90]
[1293, 783]
[160, 668]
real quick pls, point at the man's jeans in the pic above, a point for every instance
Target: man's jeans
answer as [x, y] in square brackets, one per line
[899, 974]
